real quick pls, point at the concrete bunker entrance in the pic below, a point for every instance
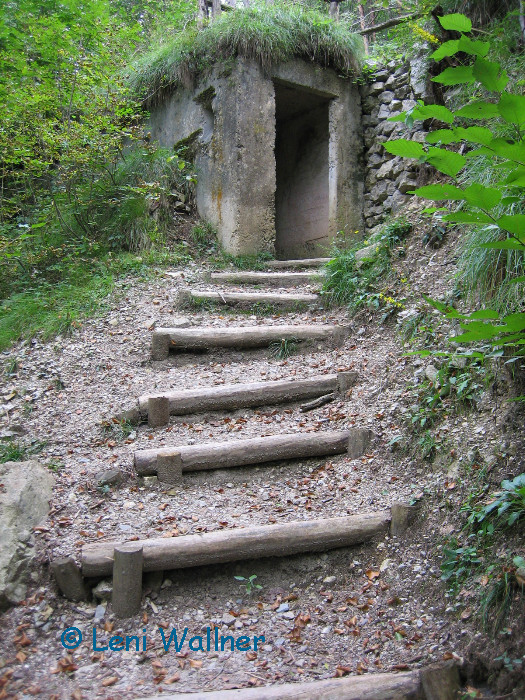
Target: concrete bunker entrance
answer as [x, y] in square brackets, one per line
[302, 197]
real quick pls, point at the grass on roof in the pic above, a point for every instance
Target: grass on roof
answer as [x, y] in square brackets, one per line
[269, 34]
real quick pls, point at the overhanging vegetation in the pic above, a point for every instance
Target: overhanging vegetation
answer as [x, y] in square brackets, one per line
[267, 34]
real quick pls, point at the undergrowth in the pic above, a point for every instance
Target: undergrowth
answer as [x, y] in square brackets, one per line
[45, 309]
[482, 557]
[269, 34]
[358, 276]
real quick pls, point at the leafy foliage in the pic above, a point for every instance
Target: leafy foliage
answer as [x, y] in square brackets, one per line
[495, 207]
[360, 281]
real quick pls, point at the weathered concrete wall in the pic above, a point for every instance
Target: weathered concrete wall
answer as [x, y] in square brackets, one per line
[234, 115]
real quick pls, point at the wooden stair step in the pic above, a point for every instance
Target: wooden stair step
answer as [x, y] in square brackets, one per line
[275, 279]
[438, 681]
[168, 463]
[306, 262]
[205, 338]
[189, 297]
[222, 546]
[235, 396]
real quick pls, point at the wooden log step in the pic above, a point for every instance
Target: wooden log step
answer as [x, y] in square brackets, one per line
[373, 686]
[239, 453]
[306, 262]
[274, 279]
[234, 396]
[205, 338]
[221, 546]
[188, 297]
[438, 681]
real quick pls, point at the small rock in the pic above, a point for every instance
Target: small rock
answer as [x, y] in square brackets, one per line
[100, 612]
[150, 481]
[329, 579]
[109, 477]
[283, 607]
[227, 619]
[431, 373]
[103, 591]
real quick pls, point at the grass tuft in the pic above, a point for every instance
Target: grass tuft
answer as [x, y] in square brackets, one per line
[266, 34]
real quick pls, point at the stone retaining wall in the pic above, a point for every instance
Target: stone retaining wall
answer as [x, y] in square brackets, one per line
[392, 89]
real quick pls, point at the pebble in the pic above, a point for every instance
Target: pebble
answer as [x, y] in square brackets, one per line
[100, 612]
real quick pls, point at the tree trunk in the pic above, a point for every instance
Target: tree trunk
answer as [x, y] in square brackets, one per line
[216, 9]
[522, 20]
[334, 10]
[203, 13]
[363, 26]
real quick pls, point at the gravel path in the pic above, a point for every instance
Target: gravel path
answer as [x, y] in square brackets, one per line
[380, 606]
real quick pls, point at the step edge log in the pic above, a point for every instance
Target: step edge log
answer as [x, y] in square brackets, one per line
[223, 546]
[238, 453]
[373, 686]
[242, 395]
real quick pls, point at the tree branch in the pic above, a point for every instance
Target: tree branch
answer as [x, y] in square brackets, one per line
[389, 23]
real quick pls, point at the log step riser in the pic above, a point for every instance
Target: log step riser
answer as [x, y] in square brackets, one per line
[271, 279]
[253, 451]
[243, 299]
[224, 546]
[236, 396]
[246, 337]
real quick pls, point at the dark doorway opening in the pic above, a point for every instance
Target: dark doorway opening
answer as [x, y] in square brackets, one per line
[302, 215]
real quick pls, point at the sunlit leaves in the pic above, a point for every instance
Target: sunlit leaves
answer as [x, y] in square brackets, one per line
[447, 162]
[456, 22]
[478, 110]
[490, 75]
[512, 108]
[405, 148]
[455, 76]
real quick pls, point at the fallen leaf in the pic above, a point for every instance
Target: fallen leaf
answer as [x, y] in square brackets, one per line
[172, 679]
[109, 681]
[341, 671]
[195, 663]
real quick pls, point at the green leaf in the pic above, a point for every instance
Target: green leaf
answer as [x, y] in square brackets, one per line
[450, 311]
[455, 76]
[449, 48]
[485, 314]
[512, 108]
[444, 136]
[488, 74]
[508, 244]
[516, 178]
[456, 22]
[398, 117]
[511, 150]
[478, 110]
[514, 322]
[446, 162]
[438, 192]
[465, 217]
[474, 134]
[439, 112]
[405, 148]
[482, 197]
[472, 47]
[515, 223]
